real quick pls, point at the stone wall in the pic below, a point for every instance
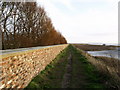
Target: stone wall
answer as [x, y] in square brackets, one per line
[18, 69]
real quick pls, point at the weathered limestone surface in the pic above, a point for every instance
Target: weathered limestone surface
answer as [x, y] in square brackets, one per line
[17, 70]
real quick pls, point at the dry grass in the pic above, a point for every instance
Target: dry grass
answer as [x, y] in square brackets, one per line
[88, 47]
[107, 66]
[112, 62]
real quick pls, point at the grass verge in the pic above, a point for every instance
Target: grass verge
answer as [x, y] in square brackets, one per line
[107, 67]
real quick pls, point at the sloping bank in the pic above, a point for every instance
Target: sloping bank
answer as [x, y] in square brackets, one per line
[19, 67]
[108, 67]
[82, 73]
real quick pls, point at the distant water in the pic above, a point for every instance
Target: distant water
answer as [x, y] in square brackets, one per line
[107, 53]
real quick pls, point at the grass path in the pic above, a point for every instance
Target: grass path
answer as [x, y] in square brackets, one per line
[69, 70]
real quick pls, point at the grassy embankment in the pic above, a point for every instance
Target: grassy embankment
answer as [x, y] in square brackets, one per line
[113, 68]
[107, 66]
[83, 75]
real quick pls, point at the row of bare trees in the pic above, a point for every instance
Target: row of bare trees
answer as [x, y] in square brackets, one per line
[25, 24]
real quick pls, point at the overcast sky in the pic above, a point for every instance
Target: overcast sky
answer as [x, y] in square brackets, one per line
[84, 21]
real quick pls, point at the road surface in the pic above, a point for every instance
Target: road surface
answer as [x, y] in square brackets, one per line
[2, 52]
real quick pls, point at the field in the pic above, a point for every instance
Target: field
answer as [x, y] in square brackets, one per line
[88, 47]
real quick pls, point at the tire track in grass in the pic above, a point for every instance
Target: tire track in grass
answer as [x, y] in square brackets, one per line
[67, 76]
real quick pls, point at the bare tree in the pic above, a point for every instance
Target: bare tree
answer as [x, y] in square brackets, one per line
[24, 24]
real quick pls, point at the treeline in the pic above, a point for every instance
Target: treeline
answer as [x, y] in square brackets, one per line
[25, 24]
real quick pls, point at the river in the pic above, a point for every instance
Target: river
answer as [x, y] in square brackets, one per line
[107, 53]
